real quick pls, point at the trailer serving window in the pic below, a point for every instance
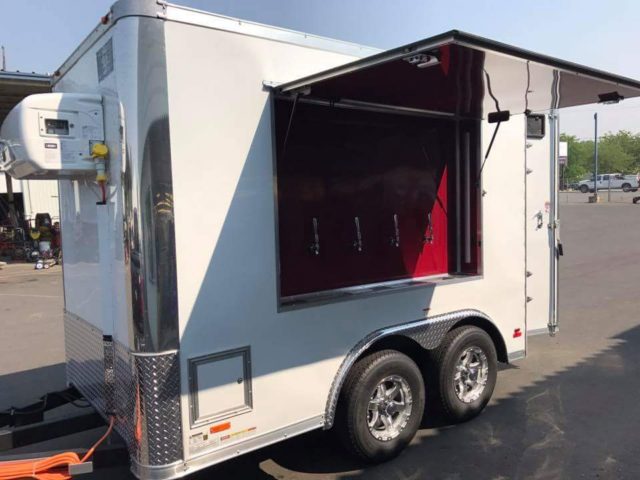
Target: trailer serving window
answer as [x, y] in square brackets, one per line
[379, 162]
[364, 197]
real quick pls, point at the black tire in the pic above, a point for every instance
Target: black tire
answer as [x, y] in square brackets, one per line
[446, 358]
[353, 416]
[584, 188]
[626, 187]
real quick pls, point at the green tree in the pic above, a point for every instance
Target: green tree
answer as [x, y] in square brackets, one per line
[617, 153]
[612, 156]
[628, 143]
[580, 158]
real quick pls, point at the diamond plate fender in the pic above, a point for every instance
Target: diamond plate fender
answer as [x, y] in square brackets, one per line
[428, 333]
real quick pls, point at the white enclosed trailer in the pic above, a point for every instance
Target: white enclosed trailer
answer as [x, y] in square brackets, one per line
[296, 232]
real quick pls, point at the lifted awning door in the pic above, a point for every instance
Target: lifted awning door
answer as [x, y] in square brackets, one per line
[459, 75]
[463, 75]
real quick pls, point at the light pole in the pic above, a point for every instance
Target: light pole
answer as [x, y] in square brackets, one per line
[595, 156]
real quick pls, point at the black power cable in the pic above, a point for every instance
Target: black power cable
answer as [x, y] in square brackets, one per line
[33, 413]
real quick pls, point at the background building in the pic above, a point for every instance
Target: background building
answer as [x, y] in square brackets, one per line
[25, 197]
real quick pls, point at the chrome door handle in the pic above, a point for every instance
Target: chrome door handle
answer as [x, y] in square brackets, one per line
[539, 219]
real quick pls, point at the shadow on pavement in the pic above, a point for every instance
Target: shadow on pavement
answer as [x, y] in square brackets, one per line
[19, 388]
[581, 422]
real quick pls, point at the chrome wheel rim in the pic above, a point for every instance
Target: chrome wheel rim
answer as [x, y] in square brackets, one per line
[471, 374]
[389, 408]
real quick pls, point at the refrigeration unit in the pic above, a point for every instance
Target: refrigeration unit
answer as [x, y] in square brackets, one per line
[266, 232]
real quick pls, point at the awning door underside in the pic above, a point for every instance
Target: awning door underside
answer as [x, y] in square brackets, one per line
[457, 74]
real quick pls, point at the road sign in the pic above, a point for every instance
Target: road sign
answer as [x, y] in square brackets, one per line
[563, 153]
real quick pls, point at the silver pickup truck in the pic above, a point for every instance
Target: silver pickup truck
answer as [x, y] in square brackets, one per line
[618, 181]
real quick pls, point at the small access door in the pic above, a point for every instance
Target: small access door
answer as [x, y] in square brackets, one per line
[541, 223]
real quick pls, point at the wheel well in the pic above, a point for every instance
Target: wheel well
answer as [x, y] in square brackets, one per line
[406, 345]
[420, 355]
[492, 331]
[402, 344]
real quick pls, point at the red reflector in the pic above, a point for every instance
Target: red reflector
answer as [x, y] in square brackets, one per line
[220, 428]
[517, 333]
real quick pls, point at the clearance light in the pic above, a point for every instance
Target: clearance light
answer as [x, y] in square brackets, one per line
[610, 98]
[422, 60]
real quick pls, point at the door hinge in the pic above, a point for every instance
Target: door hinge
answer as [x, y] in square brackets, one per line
[529, 299]
[529, 171]
[528, 274]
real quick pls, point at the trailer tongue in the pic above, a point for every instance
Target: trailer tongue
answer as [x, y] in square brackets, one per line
[244, 264]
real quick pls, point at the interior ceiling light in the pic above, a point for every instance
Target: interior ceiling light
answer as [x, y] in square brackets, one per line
[610, 98]
[422, 60]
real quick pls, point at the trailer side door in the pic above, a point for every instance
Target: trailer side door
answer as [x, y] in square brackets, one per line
[541, 223]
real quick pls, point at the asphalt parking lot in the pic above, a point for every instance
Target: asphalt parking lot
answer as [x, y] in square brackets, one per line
[570, 410]
[606, 196]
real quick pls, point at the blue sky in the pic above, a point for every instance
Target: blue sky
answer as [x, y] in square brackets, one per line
[38, 37]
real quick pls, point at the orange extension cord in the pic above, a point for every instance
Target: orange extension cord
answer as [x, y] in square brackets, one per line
[52, 468]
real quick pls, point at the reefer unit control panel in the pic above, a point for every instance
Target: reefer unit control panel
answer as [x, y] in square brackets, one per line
[50, 135]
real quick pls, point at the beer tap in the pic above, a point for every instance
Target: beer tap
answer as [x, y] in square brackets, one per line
[314, 248]
[395, 240]
[428, 237]
[357, 244]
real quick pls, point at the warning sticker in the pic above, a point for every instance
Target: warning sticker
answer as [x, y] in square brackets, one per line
[237, 435]
[201, 441]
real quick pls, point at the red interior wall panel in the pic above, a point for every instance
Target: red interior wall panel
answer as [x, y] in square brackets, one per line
[376, 185]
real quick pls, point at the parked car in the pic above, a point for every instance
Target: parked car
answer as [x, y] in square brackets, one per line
[627, 183]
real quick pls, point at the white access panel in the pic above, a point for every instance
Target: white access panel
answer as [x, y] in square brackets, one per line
[220, 385]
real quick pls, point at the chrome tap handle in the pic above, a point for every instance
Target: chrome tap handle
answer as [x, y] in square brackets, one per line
[314, 248]
[395, 240]
[428, 237]
[357, 244]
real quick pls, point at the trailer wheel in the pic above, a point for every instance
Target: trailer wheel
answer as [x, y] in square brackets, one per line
[380, 406]
[466, 367]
